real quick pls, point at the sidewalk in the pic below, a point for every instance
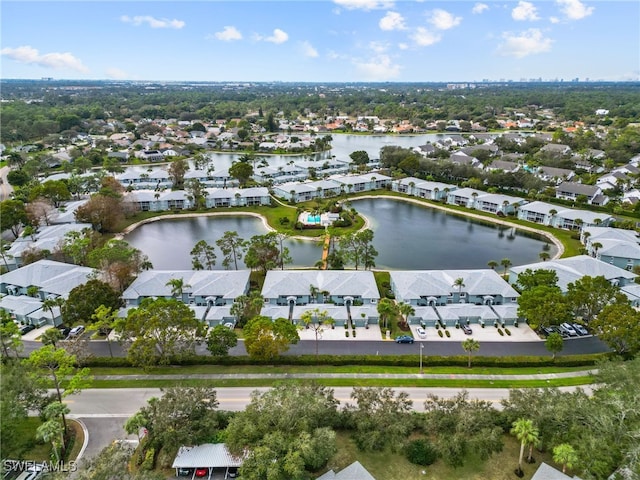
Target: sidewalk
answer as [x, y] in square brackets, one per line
[276, 376]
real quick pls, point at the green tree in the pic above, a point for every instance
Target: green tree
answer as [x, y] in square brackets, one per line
[52, 431]
[359, 157]
[159, 331]
[265, 339]
[103, 212]
[84, 300]
[196, 190]
[524, 430]
[77, 245]
[286, 430]
[566, 455]
[232, 247]
[55, 191]
[459, 284]
[492, 264]
[10, 336]
[220, 339]
[317, 321]
[119, 262]
[113, 463]
[387, 310]
[247, 306]
[104, 319]
[51, 336]
[618, 325]
[536, 278]
[405, 310]
[543, 306]
[470, 345]
[380, 418]
[242, 171]
[506, 263]
[263, 253]
[13, 216]
[54, 366]
[554, 343]
[177, 169]
[588, 295]
[203, 256]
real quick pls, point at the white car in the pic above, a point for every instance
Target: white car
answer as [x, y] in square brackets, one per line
[421, 332]
[75, 331]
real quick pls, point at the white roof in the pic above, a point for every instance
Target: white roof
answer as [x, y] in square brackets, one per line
[574, 268]
[355, 471]
[499, 199]
[618, 248]
[336, 282]
[465, 310]
[20, 305]
[47, 238]
[337, 312]
[466, 192]
[228, 284]
[50, 276]
[414, 284]
[610, 233]
[208, 455]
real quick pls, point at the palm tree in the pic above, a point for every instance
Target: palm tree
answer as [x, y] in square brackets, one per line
[459, 284]
[544, 256]
[566, 455]
[506, 263]
[524, 430]
[470, 345]
[51, 431]
[405, 310]
[492, 264]
[596, 246]
[177, 286]
[386, 308]
[50, 303]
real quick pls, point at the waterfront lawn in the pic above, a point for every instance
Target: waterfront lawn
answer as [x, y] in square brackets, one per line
[24, 445]
[392, 466]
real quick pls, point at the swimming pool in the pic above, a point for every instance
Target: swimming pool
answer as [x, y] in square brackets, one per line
[313, 218]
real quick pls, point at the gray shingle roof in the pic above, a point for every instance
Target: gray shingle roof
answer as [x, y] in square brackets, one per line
[355, 471]
[336, 282]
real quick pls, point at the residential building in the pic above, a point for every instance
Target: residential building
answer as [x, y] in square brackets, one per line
[572, 190]
[571, 269]
[422, 188]
[560, 217]
[355, 471]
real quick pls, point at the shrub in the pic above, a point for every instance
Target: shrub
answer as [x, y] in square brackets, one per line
[500, 332]
[507, 331]
[495, 324]
[457, 325]
[421, 452]
[515, 324]
[437, 326]
[482, 324]
[448, 333]
[440, 333]
[353, 333]
[148, 462]
[346, 334]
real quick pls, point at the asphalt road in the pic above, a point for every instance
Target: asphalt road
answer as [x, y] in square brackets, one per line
[572, 346]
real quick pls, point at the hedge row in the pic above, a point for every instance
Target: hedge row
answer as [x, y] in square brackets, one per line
[386, 360]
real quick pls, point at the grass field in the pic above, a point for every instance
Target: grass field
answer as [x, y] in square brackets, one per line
[395, 466]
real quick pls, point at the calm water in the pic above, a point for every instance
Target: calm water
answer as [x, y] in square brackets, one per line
[411, 237]
[407, 237]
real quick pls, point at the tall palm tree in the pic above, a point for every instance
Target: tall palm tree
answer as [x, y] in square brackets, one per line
[470, 345]
[544, 256]
[177, 286]
[405, 310]
[492, 264]
[528, 434]
[566, 455]
[596, 246]
[459, 284]
[386, 309]
[506, 263]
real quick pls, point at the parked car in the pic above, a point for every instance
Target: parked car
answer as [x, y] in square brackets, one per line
[569, 329]
[421, 332]
[232, 472]
[202, 472]
[64, 330]
[559, 330]
[404, 339]
[76, 331]
[26, 329]
[185, 472]
[580, 329]
[466, 329]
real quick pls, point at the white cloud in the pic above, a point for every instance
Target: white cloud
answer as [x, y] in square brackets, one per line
[379, 47]
[152, 21]
[443, 20]
[526, 43]
[554, 19]
[574, 9]
[308, 50]
[392, 21]
[57, 60]
[478, 8]
[378, 68]
[228, 34]
[403, 46]
[423, 37]
[525, 11]
[117, 74]
[279, 36]
[364, 4]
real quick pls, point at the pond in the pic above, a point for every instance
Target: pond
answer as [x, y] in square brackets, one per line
[407, 237]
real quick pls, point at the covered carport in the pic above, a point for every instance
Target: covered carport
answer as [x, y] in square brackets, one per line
[211, 456]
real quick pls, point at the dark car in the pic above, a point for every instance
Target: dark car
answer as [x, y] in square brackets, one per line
[26, 329]
[232, 472]
[185, 472]
[558, 330]
[466, 329]
[404, 339]
[546, 331]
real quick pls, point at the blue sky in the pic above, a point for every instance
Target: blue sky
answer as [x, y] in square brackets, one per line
[322, 40]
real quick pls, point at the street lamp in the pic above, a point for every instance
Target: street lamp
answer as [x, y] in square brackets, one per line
[421, 348]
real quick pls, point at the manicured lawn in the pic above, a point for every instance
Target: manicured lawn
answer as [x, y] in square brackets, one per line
[26, 447]
[394, 466]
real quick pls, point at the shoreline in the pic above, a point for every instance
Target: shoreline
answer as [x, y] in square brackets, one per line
[552, 238]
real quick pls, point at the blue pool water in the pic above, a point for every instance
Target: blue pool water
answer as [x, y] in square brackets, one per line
[313, 218]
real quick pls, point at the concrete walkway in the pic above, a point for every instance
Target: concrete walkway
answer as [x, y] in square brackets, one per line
[386, 376]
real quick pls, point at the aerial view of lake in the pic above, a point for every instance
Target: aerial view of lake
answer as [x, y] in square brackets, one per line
[407, 237]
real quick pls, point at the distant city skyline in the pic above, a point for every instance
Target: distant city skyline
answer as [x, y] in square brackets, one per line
[322, 40]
